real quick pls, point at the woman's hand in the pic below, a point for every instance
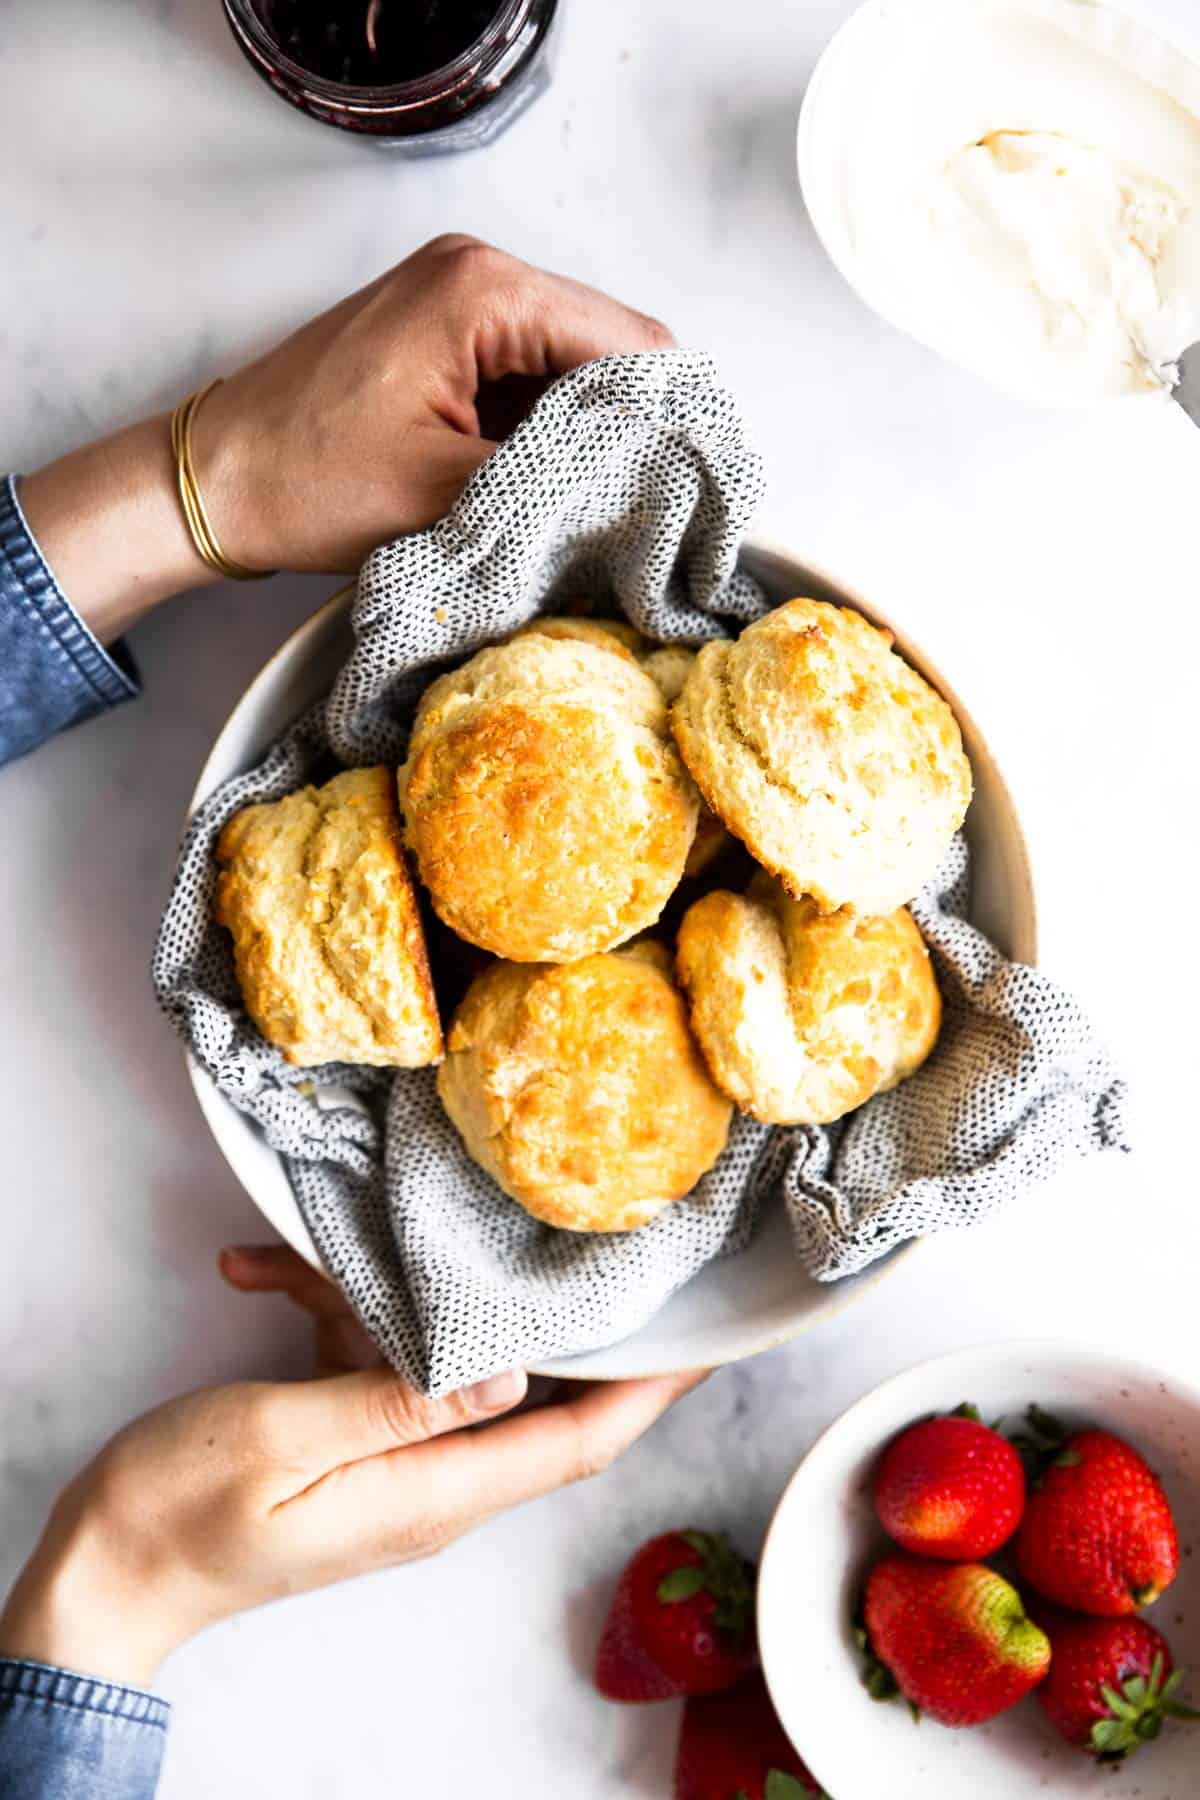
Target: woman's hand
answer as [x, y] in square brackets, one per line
[363, 425]
[366, 423]
[239, 1495]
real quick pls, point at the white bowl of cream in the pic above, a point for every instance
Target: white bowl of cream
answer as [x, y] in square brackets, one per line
[1017, 184]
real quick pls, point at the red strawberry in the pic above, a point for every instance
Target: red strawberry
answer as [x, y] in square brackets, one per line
[1110, 1684]
[732, 1747]
[1098, 1535]
[954, 1636]
[681, 1620]
[950, 1488]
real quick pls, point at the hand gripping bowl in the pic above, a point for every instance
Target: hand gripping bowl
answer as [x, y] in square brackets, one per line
[751, 1302]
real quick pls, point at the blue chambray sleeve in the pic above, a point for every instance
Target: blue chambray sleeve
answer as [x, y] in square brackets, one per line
[53, 672]
[68, 1737]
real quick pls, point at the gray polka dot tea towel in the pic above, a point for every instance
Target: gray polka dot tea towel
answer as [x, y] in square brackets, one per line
[632, 481]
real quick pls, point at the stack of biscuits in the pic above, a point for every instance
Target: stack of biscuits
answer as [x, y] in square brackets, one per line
[562, 791]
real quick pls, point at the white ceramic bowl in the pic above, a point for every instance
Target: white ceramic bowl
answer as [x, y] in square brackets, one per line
[824, 1538]
[731, 1309]
[866, 66]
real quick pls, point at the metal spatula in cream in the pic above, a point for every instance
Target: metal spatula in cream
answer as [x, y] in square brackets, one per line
[1187, 388]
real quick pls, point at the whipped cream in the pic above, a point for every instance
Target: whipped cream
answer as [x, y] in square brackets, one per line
[1066, 244]
[1017, 182]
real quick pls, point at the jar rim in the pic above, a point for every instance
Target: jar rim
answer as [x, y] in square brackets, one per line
[394, 96]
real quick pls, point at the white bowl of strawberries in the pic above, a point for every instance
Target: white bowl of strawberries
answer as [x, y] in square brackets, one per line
[1026, 1585]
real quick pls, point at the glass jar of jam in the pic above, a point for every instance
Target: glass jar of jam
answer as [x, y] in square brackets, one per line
[419, 76]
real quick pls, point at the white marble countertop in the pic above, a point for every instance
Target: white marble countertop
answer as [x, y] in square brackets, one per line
[163, 215]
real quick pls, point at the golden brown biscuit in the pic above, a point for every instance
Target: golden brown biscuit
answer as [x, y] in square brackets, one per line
[839, 768]
[327, 937]
[803, 1015]
[545, 800]
[580, 1088]
[669, 665]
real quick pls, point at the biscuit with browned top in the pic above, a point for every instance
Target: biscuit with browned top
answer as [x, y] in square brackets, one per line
[545, 801]
[327, 938]
[580, 1088]
[669, 665]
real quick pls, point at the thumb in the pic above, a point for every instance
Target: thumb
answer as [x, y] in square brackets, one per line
[345, 1418]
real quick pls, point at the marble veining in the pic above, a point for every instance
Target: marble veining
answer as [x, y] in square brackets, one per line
[165, 217]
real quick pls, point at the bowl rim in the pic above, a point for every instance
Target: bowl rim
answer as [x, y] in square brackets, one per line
[858, 20]
[1003, 1351]
[294, 1229]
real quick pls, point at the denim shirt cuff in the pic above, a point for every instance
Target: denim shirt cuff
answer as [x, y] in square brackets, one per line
[67, 1736]
[103, 679]
[49, 1686]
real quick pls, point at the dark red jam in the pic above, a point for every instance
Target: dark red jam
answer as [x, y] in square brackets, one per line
[375, 43]
[420, 76]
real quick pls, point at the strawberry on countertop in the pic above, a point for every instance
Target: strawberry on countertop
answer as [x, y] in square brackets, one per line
[953, 1636]
[681, 1620]
[1098, 1535]
[950, 1488]
[1110, 1685]
[733, 1747]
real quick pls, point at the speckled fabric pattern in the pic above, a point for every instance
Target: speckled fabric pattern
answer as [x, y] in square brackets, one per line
[632, 481]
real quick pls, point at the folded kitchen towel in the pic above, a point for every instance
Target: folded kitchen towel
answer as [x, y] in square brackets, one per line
[631, 483]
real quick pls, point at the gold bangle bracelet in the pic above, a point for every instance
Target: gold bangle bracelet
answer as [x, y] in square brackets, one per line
[198, 523]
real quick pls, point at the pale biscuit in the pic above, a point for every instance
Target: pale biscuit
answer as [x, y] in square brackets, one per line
[607, 634]
[803, 1015]
[580, 1088]
[670, 665]
[327, 938]
[839, 768]
[545, 801]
